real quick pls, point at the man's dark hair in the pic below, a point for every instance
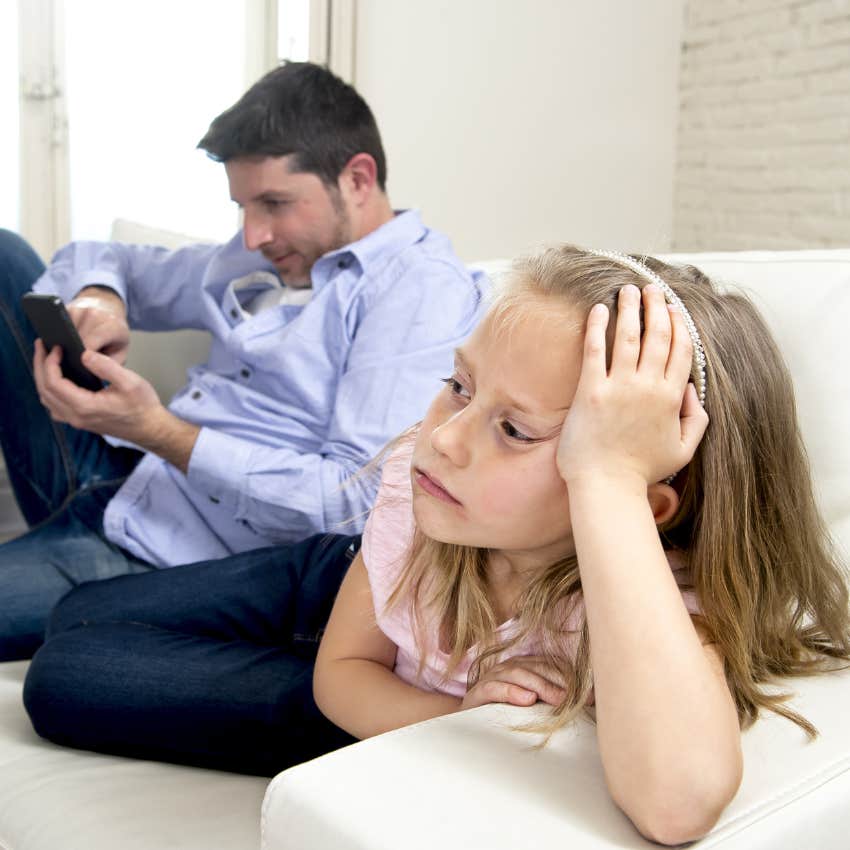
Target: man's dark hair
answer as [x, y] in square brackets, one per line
[303, 109]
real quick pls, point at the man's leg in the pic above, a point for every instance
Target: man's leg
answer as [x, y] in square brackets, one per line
[40, 567]
[208, 664]
[47, 462]
[62, 478]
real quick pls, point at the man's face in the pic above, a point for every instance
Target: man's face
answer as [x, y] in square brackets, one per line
[292, 218]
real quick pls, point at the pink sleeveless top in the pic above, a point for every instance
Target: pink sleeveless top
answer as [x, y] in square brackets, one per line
[386, 543]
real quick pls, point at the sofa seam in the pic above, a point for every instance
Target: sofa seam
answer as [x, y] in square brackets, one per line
[787, 796]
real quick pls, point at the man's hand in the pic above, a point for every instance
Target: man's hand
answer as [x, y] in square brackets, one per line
[128, 408]
[521, 680]
[100, 317]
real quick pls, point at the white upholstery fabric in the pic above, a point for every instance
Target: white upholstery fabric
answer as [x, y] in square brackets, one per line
[469, 781]
[52, 798]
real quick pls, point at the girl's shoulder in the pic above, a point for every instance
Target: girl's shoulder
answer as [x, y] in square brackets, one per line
[388, 535]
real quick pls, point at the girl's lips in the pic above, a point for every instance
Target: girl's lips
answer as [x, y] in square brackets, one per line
[430, 486]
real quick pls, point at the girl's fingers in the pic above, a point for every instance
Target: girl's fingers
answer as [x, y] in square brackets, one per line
[658, 331]
[593, 359]
[680, 361]
[693, 420]
[624, 358]
[533, 677]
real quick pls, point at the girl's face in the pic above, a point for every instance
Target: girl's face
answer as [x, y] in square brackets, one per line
[483, 468]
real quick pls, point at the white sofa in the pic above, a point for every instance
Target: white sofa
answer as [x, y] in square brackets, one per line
[467, 781]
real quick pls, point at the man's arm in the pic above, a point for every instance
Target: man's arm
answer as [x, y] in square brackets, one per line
[108, 288]
[128, 408]
[161, 288]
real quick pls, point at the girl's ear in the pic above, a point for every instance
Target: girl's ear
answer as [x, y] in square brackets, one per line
[663, 500]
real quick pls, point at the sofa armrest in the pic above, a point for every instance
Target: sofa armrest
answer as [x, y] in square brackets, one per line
[469, 780]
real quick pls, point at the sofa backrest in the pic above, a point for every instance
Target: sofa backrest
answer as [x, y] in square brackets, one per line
[805, 298]
[803, 295]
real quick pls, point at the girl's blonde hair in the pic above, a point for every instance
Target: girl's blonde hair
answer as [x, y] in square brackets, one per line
[772, 593]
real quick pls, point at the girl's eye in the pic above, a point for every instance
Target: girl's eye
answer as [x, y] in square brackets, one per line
[456, 387]
[515, 434]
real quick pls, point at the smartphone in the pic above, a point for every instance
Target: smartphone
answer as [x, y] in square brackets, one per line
[50, 319]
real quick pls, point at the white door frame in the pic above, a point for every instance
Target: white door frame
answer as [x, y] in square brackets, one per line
[44, 188]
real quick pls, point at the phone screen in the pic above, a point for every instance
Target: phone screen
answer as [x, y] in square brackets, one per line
[50, 320]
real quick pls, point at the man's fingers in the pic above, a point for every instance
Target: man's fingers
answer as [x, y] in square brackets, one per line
[104, 367]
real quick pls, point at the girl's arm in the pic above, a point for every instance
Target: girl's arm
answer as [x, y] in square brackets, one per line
[354, 684]
[666, 722]
[667, 725]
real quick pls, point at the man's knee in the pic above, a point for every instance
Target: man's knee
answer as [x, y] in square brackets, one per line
[77, 608]
[20, 266]
[46, 688]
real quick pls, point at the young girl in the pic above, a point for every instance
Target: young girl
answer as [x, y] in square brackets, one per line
[607, 506]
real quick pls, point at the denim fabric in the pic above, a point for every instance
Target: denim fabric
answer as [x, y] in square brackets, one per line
[63, 478]
[208, 664]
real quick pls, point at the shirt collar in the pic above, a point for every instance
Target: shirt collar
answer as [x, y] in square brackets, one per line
[403, 229]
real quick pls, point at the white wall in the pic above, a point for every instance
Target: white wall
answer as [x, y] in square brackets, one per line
[509, 123]
[764, 142]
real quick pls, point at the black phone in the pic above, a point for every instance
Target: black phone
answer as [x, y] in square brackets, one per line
[50, 319]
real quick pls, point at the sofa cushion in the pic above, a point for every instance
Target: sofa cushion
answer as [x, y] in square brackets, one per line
[52, 797]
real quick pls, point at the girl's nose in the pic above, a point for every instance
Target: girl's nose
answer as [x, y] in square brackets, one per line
[453, 437]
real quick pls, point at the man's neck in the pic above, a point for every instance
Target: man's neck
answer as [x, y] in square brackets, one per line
[378, 212]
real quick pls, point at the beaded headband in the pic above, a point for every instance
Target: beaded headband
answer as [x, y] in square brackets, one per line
[698, 368]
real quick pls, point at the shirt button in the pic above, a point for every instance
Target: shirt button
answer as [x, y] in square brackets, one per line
[342, 264]
[196, 394]
[234, 312]
[215, 500]
[245, 373]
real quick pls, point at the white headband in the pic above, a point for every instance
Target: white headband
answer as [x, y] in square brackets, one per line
[670, 297]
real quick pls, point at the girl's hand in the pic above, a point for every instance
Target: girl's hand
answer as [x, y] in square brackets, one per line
[641, 417]
[521, 680]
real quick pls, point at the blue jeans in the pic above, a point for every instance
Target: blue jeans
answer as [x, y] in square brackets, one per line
[208, 664]
[63, 479]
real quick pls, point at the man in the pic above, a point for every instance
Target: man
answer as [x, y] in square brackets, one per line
[331, 318]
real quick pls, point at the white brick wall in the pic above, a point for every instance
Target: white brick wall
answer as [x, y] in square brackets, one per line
[764, 125]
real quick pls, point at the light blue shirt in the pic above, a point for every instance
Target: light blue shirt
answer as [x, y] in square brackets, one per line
[292, 401]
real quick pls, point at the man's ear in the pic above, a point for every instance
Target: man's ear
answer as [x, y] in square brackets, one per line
[359, 177]
[663, 500]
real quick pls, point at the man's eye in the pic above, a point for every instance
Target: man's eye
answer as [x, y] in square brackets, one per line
[516, 434]
[456, 387]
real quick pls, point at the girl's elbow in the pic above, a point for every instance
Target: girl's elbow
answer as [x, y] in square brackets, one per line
[674, 828]
[678, 815]
[321, 689]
